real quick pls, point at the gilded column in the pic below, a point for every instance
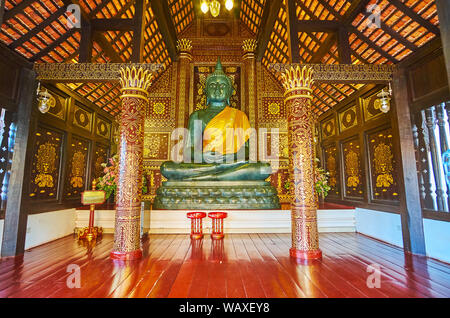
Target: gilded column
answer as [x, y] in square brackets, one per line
[184, 47]
[297, 82]
[135, 83]
[249, 47]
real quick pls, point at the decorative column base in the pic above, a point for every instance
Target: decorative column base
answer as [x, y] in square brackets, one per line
[305, 255]
[126, 256]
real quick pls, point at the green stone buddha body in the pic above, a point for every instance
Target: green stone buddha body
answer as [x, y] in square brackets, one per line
[218, 146]
[216, 172]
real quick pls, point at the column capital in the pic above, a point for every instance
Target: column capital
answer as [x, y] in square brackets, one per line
[297, 82]
[135, 82]
[184, 47]
[249, 46]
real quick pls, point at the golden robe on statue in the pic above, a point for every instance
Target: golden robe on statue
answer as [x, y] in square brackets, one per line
[227, 132]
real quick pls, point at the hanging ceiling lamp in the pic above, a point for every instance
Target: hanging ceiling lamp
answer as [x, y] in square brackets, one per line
[383, 103]
[43, 97]
[214, 6]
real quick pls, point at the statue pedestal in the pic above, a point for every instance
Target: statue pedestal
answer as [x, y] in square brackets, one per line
[214, 195]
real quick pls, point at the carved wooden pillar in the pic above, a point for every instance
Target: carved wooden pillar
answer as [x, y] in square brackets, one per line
[184, 74]
[135, 83]
[305, 239]
[249, 47]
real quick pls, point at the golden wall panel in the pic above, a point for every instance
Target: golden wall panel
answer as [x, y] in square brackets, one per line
[82, 118]
[383, 175]
[44, 183]
[348, 118]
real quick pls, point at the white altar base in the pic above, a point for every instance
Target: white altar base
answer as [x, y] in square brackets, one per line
[238, 221]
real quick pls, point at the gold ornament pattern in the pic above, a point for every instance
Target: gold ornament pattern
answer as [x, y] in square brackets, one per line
[135, 84]
[382, 165]
[46, 157]
[352, 168]
[332, 168]
[45, 164]
[76, 167]
[296, 82]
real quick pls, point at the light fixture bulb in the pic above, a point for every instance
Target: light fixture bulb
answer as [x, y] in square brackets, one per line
[214, 6]
[204, 7]
[229, 5]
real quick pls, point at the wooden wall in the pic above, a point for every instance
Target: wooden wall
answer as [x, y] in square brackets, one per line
[70, 142]
[357, 149]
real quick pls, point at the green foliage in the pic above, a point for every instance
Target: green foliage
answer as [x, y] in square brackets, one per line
[321, 182]
[108, 182]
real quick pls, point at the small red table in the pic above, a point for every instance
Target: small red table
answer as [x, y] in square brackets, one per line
[217, 224]
[196, 224]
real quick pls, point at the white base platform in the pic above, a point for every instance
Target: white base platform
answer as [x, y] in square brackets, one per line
[238, 221]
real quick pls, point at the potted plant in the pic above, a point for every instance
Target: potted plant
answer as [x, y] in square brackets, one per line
[108, 182]
[321, 182]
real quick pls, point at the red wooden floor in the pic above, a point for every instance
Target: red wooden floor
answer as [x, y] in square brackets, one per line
[242, 265]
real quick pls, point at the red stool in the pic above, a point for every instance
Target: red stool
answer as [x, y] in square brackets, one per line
[196, 224]
[217, 224]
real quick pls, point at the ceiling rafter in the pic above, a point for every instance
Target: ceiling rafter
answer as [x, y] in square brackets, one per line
[269, 16]
[415, 17]
[166, 26]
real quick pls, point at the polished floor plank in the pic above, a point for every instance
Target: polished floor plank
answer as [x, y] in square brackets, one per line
[394, 266]
[240, 265]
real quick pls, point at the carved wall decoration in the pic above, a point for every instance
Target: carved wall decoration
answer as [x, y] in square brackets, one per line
[76, 167]
[45, 165]
[156, 146]
[368, 106]
[329, 128]
[200, 74]
[82, 118]
[159, 108]
[102, 127]
[382, 165]
[273, 109]
[331, 161]
[354, 186]
[348, 119]
[280, 144]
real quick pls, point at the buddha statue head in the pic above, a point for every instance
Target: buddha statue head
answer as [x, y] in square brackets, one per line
[218, 88]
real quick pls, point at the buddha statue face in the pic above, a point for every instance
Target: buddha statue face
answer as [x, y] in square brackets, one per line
[218, 88]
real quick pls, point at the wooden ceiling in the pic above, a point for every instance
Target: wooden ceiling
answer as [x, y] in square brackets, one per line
[298, 31]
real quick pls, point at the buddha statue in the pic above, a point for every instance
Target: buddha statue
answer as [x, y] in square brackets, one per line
[216, 171]
[218, 141]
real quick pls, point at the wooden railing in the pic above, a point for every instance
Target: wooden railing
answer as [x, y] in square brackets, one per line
[431, 140]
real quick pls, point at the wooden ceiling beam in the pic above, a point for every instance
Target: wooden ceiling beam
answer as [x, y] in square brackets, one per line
[2, 11]
[317, 26]
[415, 17]
[293, 40]
[352, 12]
[269, 16]
[114, 24]
[137, 55]
[166, 27]
[53, 45]
[86, 42]
[53, 17]
[16, 10]
[106, 47]
[373, 45]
